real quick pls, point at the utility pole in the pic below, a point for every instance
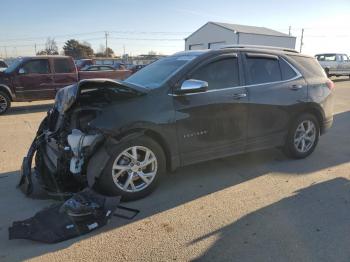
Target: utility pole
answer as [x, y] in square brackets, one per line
[35, 48]
[290, 28]
[5, 52]
[301, 40]
[106, 36]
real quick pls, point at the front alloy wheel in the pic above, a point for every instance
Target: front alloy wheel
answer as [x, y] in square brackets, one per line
[134, 169]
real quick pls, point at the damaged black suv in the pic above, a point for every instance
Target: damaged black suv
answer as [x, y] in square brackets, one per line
[120, 137]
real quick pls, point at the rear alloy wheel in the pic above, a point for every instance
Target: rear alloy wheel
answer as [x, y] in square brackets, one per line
[305, 136]
[302, 137]
[5, 102]
[134, 169]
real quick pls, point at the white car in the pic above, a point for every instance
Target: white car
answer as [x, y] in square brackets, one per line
[334, 64]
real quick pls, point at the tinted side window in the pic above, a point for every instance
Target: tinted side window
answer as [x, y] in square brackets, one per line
[219, 74]
[63, 66]
[287, 71]
[40, 66]
[263, 70]
[308, 66]
[106, 68]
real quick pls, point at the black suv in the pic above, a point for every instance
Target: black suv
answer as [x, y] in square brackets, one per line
[120, 137]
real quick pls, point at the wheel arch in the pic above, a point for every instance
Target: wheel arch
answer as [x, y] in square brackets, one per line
[7, 91]
[316, 111]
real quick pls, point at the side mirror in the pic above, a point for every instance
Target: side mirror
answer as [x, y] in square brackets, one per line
[192, 86]
[21, 71]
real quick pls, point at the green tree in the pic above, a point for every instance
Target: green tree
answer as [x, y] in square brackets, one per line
[102, 52]
[77, 50]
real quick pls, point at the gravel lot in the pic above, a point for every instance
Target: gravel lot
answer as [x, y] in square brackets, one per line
[254, 207]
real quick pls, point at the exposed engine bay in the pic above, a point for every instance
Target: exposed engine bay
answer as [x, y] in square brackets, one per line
[66, 140]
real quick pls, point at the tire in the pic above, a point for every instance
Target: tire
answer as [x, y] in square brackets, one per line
[327, 72]
[294, 143]
[5, 102]
[125, 167]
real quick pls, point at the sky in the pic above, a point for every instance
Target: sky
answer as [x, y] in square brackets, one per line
[139, 26]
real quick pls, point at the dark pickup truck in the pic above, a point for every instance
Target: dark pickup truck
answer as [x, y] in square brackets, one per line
[40, 77]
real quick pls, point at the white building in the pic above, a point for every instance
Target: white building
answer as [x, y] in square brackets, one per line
[213, 35]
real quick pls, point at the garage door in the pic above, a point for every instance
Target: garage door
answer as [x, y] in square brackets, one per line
[196, 47]
[216, 45]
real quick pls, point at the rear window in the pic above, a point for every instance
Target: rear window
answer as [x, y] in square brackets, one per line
[327, 57]
[263, 70]
[38, 66]
[63, 66]
[309, 66]
[287, 71]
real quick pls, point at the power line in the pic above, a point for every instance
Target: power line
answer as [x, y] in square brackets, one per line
[90, 33]
[44, 37]
[148, 39]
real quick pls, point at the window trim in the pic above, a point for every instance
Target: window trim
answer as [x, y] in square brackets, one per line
[261, 55]
[298, 76]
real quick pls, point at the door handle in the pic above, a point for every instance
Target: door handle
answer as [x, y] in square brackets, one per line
[296, 87]
[239, 96]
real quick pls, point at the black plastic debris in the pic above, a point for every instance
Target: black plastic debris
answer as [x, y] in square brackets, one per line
[79, 215]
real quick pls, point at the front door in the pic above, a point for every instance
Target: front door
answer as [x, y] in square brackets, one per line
[34, 80]
[213, 123]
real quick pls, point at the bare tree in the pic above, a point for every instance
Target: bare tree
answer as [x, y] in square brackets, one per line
[50, 47]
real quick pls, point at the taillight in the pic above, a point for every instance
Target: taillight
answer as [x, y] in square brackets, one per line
[330, 84]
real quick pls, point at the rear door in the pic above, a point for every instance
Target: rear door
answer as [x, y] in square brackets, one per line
[213, 124]
[64, 72]
[275, 89]
[34, 80]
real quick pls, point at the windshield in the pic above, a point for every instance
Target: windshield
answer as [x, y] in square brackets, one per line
[155, 74]
[14, 65]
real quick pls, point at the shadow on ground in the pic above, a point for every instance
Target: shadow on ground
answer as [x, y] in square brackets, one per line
[308, 216]
[27, 109]
[342, 79]
[312, 225]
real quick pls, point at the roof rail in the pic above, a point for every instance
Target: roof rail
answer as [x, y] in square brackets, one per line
[260, 47]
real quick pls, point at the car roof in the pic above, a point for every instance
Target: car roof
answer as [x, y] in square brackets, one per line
[246, 48]
[43, 56]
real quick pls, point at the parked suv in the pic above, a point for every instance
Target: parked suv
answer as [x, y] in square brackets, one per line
[121, 137]
[334, 64]
[40, 77]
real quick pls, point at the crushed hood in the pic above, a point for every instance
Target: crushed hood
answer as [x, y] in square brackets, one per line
[67, 96]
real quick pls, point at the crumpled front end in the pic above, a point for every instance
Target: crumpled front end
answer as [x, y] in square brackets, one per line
[61, 158]
[66, 142]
